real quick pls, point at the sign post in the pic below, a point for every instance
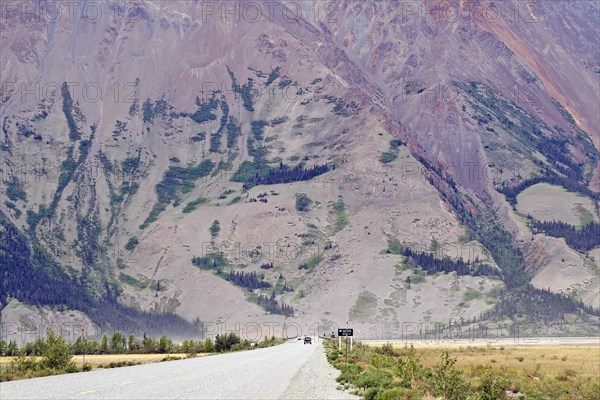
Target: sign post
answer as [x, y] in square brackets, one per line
[84, 345]
[346, 332]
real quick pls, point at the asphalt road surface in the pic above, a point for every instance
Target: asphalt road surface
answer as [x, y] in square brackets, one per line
[289, 371]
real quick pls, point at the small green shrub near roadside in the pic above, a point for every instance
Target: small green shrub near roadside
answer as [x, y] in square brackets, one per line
[387, 373]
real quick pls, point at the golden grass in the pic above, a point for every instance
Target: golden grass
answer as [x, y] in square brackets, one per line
[545, 360]
[565, 372]
[105, 359]
[535, 361]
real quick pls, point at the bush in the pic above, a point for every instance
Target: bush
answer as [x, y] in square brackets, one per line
[387, 157]
[447, 381]
[57, 354]
[132, 243]
[371, 393]
[387, 350]
[409, 368]
[490, 388]
[397, 393]
[23, 364]
[192, 205]
[71, 369]
[373, 379]
[349, 372]
[215, 228]
[208, 346]
[303, 202]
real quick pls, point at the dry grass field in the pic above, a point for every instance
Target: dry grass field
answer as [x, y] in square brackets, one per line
[547, 202]
[97, 360]
[535, 361]
[543, 359]
[491, 372]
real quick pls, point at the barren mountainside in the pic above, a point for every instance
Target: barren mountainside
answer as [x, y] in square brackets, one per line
[380, 164]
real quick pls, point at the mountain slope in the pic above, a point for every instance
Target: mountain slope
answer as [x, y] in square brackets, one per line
[325, 143]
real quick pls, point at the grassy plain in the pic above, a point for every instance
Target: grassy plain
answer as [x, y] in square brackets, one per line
[387, 371]
[547, 202]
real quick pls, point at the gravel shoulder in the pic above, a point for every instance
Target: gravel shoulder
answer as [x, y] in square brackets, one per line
[316, 380]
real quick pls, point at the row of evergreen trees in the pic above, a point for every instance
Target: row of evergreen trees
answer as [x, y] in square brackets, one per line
[285, 174]
[525, 309]
[432, 265]
[270, 304]
[248, 280]
[268, 265]
[119, 343]
[571, 181]
[539, 305]
[582, 240]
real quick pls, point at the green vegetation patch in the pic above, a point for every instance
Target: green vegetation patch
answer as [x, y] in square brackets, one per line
[471, 294]
[211, 261]
[365, 307]
[340, 215]
[14, 190]
[192, 205]
[303, 202]
[132, 243]
[311, 263]
[176, 181]
[392, 153]
[215, 228]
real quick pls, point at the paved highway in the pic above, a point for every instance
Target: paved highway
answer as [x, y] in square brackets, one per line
[289, 371]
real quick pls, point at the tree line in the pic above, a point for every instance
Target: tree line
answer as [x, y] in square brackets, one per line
[537, 305]
[571, 182]
[120, 343]
[270, 304]
[53, 355]
[432, 265]
[248, 280]
[582, 240]
[285, 174]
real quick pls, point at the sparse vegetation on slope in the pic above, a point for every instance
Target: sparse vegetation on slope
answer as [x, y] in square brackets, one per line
[192, 205]
[303, 202]
[32, 276]
[392, 153]
[175, 182]
[340, 215]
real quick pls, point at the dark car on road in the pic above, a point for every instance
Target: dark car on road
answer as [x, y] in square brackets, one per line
[307, 340]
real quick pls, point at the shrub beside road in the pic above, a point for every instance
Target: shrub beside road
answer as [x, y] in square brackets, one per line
[388, 372]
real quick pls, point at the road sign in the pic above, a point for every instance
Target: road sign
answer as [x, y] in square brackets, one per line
[346, 332]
